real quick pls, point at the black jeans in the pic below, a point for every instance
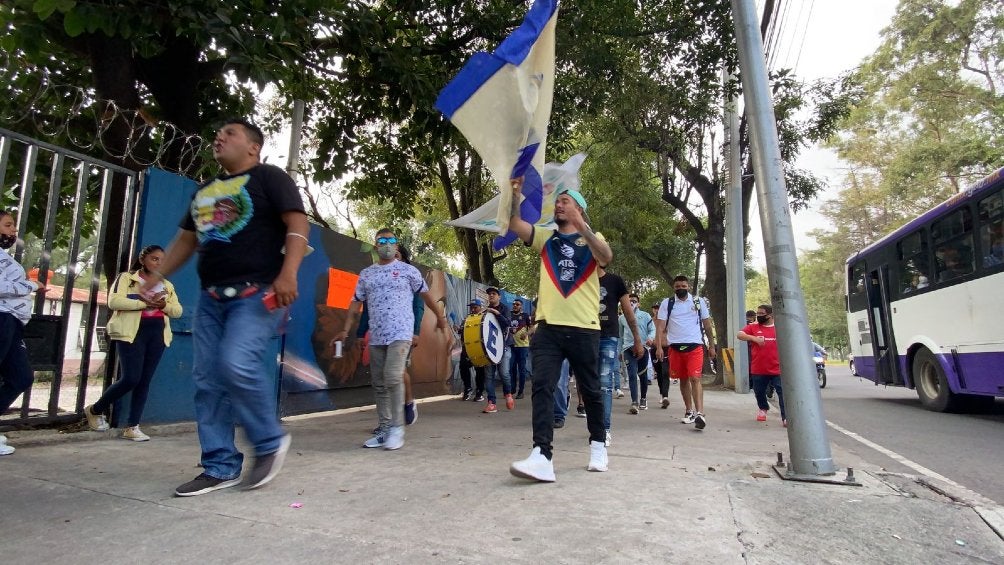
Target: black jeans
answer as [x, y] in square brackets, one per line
[661, 369]
[581, 347]
[465, 374]
[137, 363]
[16, 375]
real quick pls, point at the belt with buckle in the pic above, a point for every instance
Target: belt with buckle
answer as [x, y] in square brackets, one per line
[226, 293]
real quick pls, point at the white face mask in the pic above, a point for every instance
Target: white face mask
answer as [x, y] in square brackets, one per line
[386, 251]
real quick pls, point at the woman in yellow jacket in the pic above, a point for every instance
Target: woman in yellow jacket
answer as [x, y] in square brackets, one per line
[141, 332]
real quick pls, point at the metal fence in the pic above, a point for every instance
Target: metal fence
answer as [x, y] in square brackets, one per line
[62, 200]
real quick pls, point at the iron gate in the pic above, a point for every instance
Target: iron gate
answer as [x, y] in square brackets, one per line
[58, 210]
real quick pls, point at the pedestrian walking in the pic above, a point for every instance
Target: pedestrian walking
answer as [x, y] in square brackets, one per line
[16, 375]
[472, 391]
[637, 365]
[496, 372]
[613, 293]
[681, 319]
[141, 332]
[520, 325]
[384, 287]
[250, 230]
[568, 325]
[765, 363]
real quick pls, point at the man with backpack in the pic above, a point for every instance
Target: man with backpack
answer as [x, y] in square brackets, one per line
[681, 320]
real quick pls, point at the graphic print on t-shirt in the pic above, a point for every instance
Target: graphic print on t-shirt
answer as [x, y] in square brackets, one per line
[569, 262]
[222, 208]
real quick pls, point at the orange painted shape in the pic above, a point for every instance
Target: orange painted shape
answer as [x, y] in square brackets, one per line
[341, 288]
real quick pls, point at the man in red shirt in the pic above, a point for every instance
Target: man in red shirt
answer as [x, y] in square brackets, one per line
[765, 366]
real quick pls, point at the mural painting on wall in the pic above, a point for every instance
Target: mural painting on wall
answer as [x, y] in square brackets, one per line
[312, 378]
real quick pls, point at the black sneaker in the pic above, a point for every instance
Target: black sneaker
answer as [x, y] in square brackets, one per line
[699, 421]
[519, 395]
[204, 484]
[479, 398]
[580, 411]
[559, 424]
[266, 467]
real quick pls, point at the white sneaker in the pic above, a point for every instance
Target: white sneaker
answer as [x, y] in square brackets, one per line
[536, 467]
[395, 438]
[597, 457]
[688, 418]
[620, 393]
[96, 422]
[4, 448]
[606, 442]
[135, 434]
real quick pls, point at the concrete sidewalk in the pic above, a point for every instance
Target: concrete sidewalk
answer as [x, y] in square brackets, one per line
[672, 495]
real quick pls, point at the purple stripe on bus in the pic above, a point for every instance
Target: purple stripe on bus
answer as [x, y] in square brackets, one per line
[981, 371]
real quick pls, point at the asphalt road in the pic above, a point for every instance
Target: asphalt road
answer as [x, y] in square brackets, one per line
[966, 448]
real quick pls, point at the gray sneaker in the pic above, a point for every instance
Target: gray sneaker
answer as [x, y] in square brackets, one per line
[204, 484]
[267, 466]
[395, 438]
[378, 439]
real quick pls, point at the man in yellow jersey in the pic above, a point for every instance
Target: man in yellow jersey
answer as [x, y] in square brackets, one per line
[568, 325]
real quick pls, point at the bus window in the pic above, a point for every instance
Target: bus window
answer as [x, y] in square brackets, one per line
[953, 245]
[992, 229]
[913, 268]
[856, 281]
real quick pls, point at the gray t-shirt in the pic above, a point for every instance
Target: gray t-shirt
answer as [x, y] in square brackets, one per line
[387, 291]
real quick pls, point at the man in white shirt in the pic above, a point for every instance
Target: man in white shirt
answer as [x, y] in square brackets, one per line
[681, 320]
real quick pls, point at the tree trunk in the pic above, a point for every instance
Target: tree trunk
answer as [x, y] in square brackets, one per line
[115, 81]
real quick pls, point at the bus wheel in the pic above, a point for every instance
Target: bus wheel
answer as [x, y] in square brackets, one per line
[930, 382]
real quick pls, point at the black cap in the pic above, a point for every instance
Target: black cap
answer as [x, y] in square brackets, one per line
[492, 289]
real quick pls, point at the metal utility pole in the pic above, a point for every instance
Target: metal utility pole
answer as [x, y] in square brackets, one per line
[295, 133]
[807, 437]
[735, 268]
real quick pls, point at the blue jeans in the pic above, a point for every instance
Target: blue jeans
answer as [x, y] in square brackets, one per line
[760, 384]
[518, 368]
[16, 375]
[137, 361]
[608, 367]
[231, 340]
[561, 393]
[635, 368]
[498, 372]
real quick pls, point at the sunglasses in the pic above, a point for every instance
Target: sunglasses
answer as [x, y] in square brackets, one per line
[386, 240]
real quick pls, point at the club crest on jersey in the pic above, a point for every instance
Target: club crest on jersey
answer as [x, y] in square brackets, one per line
[567, 265]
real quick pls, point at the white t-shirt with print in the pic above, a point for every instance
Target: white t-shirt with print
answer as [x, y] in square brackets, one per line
[387, 291]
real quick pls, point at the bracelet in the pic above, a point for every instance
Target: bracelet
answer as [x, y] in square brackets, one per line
[294, 234]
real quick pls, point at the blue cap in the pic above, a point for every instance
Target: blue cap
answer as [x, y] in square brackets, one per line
[476, 302]
[575, 194]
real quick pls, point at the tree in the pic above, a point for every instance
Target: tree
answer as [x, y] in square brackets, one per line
[931, 113]
[185, 62]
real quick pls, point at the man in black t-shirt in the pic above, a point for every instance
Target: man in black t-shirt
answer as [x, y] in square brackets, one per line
[250, 231]
[613, 293]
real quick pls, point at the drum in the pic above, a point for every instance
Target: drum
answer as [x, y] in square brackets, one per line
[483, 339]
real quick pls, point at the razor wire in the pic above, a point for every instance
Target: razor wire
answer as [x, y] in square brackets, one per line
[87, 121]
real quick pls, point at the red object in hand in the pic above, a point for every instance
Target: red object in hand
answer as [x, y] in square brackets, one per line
[270, 300]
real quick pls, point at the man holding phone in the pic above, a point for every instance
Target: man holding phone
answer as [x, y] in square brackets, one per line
[385, 287]
[250, 230]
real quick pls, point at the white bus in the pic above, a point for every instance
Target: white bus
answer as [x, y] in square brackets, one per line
[925, 304]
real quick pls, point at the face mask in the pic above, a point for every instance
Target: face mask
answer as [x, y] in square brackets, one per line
[7, 241]
[386, 251]
[761, 319]
[682, 293]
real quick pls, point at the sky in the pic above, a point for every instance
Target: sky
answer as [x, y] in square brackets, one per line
[837, 34]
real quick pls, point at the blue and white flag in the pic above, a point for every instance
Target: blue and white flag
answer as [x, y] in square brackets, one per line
[501, 102]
